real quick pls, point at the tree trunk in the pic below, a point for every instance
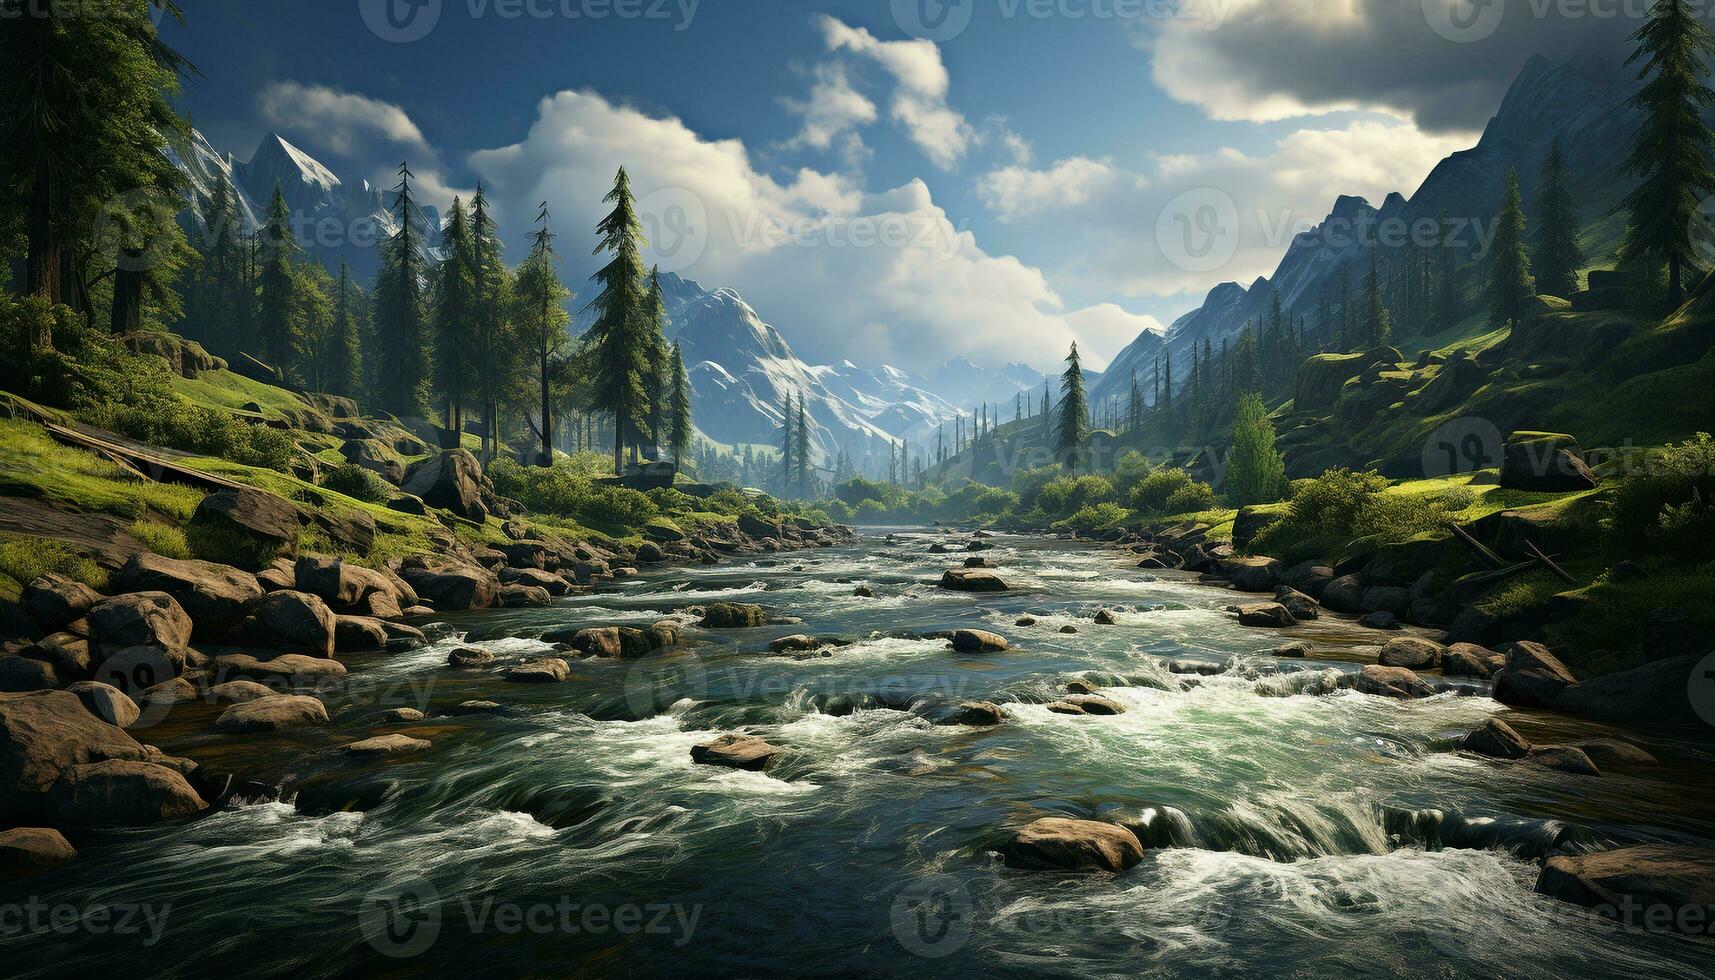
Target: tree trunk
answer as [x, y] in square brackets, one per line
[127, 293]
[1675, 290]
[547, 418]
[42, 261]
[618, 447]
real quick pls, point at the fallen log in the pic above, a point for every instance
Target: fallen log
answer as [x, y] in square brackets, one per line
[146, 465]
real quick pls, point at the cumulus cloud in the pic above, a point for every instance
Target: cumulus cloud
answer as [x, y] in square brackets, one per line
[1119, 222]
[346, 123]
[921, 84]
[833, 110]
[875, 277]
[1442, 63]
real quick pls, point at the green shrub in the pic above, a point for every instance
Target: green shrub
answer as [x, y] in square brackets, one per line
[1665, 503]
[1170, 490]
[358, 483]
[1191, 498]
[1132, 469]
[168, 542]
[1068, 495]
[567, 491]
[1095, 517]
[1340, 506]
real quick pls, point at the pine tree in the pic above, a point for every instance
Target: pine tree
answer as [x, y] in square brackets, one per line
[657, 380]
[1348, 339]
[279, 248]
[1247, 375]
[679, 409]
[1167, 383]
[788, 445]
[342, 362]
[402, 369]
[1509, 280]
[1559, 253]
[454, 303]
[619, 351]
[801, 450]
[1371, 334]
[1257, 471]
[541, 318]
[1672, 151]
[498, 365]
[1074, 414]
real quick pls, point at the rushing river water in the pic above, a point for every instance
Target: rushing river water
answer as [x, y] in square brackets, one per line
[1291, 828]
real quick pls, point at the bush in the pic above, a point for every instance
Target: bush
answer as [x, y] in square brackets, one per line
[1341, 506]
[1068, 495]
[358, 483]
[1191, 498]
[1171, 491]
[25, 559]
[1095, 517]
[1665, 504]
[565, 491]
[1132, 469]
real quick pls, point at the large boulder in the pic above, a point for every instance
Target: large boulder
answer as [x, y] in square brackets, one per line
[214, 595]
[252, 514]
[1392, 682]
[1268, 615]
[1344, 595]
[339, 583]
[107, 702]
[1497, 740]
[138, 620]
[1545, 462]
[976, 714]
[34, 847]
[979, 641]
[1322, 376]
[55, 601]
[451, 481]
[374, 456]
[359, 634]
[972, 580]
[549, 670]
[1658, 693]
[43, 735]
[1062, 844]
[1659, 887]
[733, 616]
[278, 713]
[1470, 660]
[22, 674]
[1411, 653]
[1302, 607]
[737, 752]
[1532, 678]
[118, 793]
[292, 669]
[296, 622]
[1253, 574]
[454, 588]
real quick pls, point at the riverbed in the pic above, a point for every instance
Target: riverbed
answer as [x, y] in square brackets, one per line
[1291, 827]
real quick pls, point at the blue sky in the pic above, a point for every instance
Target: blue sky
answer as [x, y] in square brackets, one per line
[879, 191]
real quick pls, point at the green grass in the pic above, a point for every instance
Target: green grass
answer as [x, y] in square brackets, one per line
[33, 465]
[231, 392]
[168, 542]
[25, 559]
[1607, 633]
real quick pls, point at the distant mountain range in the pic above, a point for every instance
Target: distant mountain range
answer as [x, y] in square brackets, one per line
[741, 368]
[1581, 99]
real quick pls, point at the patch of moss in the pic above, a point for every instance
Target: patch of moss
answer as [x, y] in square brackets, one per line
[166, 541]
[24, 559]
[33, 465]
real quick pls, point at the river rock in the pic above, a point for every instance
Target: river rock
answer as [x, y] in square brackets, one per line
[1613, 752]
[477, 708]
[1062, 844]
[796, 643]
[1093, 704]
[1532, 678]
[43, 734]
[68, 653]
[1392, 682]
[292, 669]
[34, 847]
[1563, 758]
[400, 716]
[1411, 653]
[1658, 693]
[864, 592]
[119, 793]
[139, 620]
[737, 752]
[548, 582]
[548, 670]
[1660, 887]
[467, 658]
[1266, 614]
[1388, 599]
[1302, 607]
[455, 588]
[1257, 574]
[1497, 740]
[1069, 629]
[54, 601]
[252, 514]
[451, 481]
[238, 692]
[972, 580]
[979, 641]
[387, 745]
[21, 674]
[276, 713]
[1470, 660]
[341, 584]
[976, 714]
[733, 616]
[1545, 462]
[1344, 595]
[215, 596]
[1105, 618]
[107, 702]
[1293, 651]
[1383, 620]
[292, 621]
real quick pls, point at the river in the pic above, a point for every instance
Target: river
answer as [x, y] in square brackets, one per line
[1289, 831]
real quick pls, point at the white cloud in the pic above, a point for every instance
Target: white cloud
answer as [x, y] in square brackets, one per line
[343, 122]
[921, 87]
[833, 110]
[1109, 216]
[874, 277]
